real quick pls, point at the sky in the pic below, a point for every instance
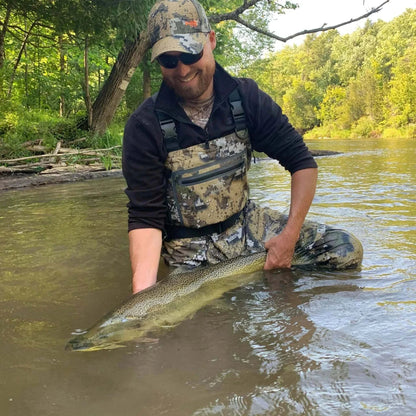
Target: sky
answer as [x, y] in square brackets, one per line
[314, 13]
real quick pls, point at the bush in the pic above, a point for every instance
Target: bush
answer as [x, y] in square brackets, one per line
[328, 131]
[410, 131]
[391, 133]
[112, 137]
[364, 127]
[22, 126]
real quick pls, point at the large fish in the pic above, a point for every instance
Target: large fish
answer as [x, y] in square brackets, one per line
[167, 303]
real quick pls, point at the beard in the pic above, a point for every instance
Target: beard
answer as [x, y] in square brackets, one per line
[197, 87]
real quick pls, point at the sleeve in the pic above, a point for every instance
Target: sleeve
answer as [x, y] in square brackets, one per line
[144, 171]
[271, 132]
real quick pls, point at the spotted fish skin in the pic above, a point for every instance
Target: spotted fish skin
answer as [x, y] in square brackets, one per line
[167, 303]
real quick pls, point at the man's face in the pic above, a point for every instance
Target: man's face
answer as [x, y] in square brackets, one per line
[195, 81]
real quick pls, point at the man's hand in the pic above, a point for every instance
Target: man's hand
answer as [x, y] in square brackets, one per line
[280, 249]
[282, 246]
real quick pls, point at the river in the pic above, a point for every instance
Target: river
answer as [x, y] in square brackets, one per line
[290, 343]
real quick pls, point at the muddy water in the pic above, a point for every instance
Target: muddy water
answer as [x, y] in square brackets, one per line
[290, 343]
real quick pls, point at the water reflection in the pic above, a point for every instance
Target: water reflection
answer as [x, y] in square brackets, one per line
[272, 319]
[291, 343]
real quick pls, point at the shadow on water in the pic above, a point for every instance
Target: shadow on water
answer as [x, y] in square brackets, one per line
[289, 343]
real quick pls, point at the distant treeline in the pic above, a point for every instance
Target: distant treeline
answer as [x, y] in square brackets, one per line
[357, 85]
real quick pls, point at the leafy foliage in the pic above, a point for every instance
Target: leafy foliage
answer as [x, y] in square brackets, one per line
[364, 82]
[43, 46]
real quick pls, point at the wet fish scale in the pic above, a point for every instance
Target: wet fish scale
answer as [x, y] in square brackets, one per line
[167, 303]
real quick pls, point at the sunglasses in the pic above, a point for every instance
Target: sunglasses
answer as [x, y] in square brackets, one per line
[171, 61]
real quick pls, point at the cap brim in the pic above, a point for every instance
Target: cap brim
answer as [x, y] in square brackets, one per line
[188, 43]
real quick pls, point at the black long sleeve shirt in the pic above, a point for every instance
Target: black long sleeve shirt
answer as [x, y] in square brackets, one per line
[144, 153]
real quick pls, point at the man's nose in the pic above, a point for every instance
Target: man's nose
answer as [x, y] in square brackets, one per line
[182, 69]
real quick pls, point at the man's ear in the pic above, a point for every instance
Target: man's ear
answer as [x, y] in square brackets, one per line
[212, 39]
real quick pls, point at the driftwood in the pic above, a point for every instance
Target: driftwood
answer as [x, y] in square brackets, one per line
[57, 160]
[91, 160]
[61, 152]
[53, 168]
[26, 168]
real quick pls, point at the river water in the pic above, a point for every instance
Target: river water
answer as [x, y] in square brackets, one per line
[290, 343]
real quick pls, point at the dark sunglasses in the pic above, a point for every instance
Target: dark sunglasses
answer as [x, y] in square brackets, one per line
[171, 61]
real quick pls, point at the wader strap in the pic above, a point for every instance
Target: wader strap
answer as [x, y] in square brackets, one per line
[174, 232]
[168, 126]
[237, 110]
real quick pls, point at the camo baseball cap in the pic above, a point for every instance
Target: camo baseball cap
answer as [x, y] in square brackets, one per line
[177, 25]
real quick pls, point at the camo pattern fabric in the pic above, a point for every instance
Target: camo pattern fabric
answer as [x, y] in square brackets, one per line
[208, 182]
[318, 245]
[177, 25]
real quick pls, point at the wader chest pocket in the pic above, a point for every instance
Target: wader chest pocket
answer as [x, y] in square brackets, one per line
[212, 192]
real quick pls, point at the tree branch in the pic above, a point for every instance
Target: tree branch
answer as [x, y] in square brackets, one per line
[235, 15]
[24, 32]
[216, 18]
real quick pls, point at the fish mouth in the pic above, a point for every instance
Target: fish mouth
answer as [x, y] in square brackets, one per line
[84, 342]
[79, 344]
[85, 346]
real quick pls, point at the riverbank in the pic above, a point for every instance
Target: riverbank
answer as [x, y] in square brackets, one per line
[75, 173]
[22, 180]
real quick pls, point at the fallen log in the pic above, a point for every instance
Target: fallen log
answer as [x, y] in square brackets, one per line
[24, 169]
[62, 152]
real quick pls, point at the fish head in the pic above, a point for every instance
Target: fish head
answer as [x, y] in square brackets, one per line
[88, 342]
[106, 337]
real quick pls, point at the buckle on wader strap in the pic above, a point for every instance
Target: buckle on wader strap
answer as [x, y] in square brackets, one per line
[170, 136]
[174, 232]
[168, 127]
[237, 110]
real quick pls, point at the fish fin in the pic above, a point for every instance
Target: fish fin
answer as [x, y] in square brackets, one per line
[220, 304]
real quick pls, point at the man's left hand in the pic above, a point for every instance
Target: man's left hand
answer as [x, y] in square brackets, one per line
[280, 251]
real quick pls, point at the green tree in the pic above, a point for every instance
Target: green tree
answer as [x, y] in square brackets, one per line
[393, 40]
[71, 55]
[359, 81]
[402, 94]
[331, 108]
[300, 104]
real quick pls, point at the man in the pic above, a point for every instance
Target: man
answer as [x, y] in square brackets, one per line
[186, 154]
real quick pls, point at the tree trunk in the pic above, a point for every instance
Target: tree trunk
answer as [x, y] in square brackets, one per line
[86, 84]
[62, 74]
[3, 34]
[19, 57]
[147, 86]
[114, 88]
